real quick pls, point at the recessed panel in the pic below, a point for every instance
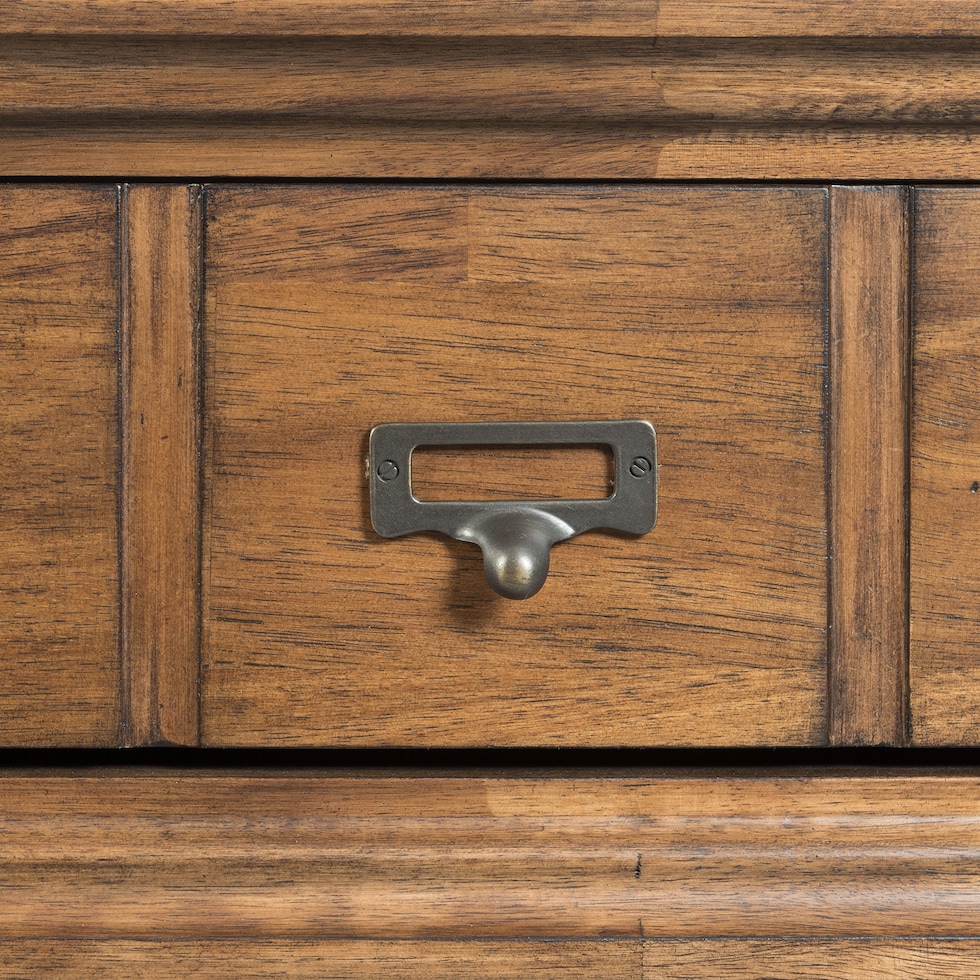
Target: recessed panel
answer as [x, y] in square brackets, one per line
[331, 309]
[945, 475]
[59, 458]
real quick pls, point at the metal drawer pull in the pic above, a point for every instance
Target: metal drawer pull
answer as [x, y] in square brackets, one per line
[515, 536]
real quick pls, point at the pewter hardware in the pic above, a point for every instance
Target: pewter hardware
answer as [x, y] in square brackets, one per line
[515, 536]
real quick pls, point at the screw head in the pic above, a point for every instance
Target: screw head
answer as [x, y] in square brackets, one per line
[640, 466]
[388, 470]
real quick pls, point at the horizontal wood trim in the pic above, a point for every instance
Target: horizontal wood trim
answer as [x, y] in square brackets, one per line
[163, 855]
[491, 81]
[616, 959]
[454, 104]
[558, 18]
[388, 149]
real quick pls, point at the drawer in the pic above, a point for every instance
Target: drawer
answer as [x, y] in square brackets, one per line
[190, 373]
[331, 308]
[945, 469]
[59, 465]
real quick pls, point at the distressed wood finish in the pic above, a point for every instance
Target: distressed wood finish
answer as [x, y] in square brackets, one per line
[142, 148]
[868, 465]
[709, 91]
[590, 81]
[331, 309]
[549, 18]
[59, 463]
[269, 857]
[161, 505]
[606, 959]
[329, 960]
[945, 537]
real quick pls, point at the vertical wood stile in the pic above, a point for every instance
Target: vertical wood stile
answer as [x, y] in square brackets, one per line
[162, 228]
[869, 378]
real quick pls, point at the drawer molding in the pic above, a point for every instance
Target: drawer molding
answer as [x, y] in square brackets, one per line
[196, 855]
[718, 90]
[869, 425]
[160, 422]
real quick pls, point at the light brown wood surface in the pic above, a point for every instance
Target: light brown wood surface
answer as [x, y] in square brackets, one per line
[945, 505]
[585, 81]
[718, 91]
[559, 18]
[372, 149]
[869, 394]
[712, 630]
[59, 463]
[607, 959]
[331, 309]
[160, 489]
[272, 857]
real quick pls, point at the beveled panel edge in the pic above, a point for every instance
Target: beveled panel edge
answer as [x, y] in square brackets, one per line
[868, 465]
[160, 481]
[199, 856]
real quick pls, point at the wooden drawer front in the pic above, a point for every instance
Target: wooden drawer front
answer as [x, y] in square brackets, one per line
[330, 309]
[945, 525]
[59, 453]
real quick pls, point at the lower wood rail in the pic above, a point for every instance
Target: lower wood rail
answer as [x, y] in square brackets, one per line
[413, 874]
[450, 959]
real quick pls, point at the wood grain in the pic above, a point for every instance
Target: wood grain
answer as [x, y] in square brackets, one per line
[945, 530]
[559, 18]
[161, 495]
[157, 856]
[215, 147]
[609, 959]
[492, 81]
[331, 309]
[325, 960]
[59, 447]
[588, 97]
[869, 353]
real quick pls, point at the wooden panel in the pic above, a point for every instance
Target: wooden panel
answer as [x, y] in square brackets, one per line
[810, 959]
[177, 148]
[424, 80]
[161, 558]
[604, 101]
[666, 18]
[59, 582]
[616, 959]
[319, 960]
[945, 535]
[253, 857]
[868, 466]
[331, 309]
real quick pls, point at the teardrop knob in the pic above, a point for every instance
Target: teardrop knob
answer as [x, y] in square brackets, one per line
[516, 548]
